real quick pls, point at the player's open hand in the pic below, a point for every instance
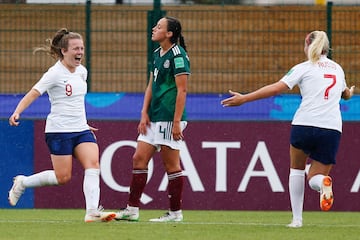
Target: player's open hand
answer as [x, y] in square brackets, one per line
[177, 132]
[348, 93]
[235, 100]
[144, 123]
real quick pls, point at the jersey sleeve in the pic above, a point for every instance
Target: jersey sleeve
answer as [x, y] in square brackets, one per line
[181, 64]
[45, 82]
[294, 76]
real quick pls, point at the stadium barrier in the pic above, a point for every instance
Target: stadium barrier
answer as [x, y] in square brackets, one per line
[231, 46]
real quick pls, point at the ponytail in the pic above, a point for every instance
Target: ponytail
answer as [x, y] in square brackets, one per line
[58, 42]
[318, 44]
[174, 26]
[182, 42]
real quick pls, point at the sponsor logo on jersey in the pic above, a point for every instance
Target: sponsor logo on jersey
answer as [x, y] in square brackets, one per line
[290, 72]
[179, 62]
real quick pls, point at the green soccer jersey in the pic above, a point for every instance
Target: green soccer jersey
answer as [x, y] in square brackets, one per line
[164, 91]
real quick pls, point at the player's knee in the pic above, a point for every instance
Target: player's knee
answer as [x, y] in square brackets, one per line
[63, 179]
[139, 162]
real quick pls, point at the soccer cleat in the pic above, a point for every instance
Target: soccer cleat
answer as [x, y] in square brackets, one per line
[128, 214]
[295, 224]
[16, 190]
[326, 194]
[169, 217]
[99, 216]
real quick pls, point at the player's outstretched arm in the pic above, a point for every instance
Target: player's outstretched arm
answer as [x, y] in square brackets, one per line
[238, 99]
[22, 105]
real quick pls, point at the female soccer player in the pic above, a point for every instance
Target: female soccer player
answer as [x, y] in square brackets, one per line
[163, 120]
[317, 125]
[67, 132]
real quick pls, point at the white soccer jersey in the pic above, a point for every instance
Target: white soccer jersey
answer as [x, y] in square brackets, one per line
[321, 85]
[66, 92]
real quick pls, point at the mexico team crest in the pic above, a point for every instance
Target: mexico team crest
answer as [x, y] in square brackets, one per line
[166, 63]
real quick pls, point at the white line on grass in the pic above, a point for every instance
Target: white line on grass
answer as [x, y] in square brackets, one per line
[183, 223]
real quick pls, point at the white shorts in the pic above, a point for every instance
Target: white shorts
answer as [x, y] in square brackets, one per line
[159, 133]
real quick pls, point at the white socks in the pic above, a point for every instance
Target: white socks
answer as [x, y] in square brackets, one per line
[316, 181]
[91, 188]
[296, 190]
[91, 185]
[44, 178]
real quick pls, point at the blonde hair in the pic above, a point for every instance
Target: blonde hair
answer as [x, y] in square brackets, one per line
[318, 44]
[58, 42]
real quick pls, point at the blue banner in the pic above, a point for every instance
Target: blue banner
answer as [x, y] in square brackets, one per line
[16, 157]
[200, 107]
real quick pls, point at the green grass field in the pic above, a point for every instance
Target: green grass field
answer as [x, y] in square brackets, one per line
[205, 225]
